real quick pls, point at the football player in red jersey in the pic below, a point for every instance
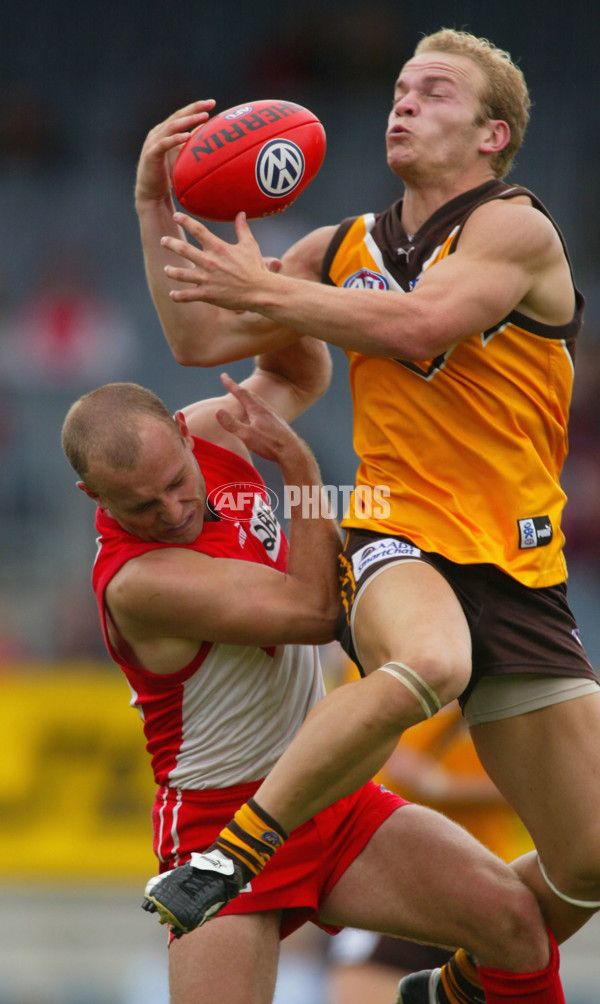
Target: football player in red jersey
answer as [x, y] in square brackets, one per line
[203, 613]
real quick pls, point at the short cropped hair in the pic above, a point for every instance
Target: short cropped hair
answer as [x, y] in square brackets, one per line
[104, 425]
[505, 95]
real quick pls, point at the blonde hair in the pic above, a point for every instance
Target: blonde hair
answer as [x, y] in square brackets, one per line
[104, 425]
[505, 95]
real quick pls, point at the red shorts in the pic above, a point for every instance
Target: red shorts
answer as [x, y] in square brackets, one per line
[302, 873]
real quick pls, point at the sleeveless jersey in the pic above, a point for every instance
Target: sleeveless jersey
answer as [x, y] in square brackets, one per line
[468, 446]
[226, 717]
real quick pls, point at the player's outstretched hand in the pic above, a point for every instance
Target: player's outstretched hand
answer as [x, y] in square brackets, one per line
[258, 426]
[153, 179]
[224, 274]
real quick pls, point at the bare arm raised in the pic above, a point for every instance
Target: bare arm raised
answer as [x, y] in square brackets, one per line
[288, 380]
[201, 334]
[509, 256]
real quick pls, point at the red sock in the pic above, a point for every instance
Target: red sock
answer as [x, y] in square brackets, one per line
[541, 987]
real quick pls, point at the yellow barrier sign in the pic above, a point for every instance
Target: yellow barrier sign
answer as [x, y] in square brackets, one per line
[76, 788]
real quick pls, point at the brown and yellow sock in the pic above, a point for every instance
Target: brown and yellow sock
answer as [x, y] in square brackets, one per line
[251, 839]
[459, 981]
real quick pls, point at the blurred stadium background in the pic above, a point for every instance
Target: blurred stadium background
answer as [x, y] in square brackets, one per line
[82, 85]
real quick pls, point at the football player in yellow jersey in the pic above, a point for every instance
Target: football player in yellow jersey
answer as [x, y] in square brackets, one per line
[459, 313]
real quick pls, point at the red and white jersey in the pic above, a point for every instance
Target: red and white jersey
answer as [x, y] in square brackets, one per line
[226, 717]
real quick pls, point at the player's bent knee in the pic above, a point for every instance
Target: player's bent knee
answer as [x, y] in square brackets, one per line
[416, 685]
[429, 687]
[576, 877]
[446, 671]
[518, 930]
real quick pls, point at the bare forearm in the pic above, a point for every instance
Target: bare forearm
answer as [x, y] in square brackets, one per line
[203, 335]
[235, 276]
[319, 542]
[450, 302]
[315, 540]
[377, 324]
[297, 375]
[186, 326]
[198, 333]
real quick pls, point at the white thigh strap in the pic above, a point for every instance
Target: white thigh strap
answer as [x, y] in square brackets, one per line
[587, 904]
[418, 687]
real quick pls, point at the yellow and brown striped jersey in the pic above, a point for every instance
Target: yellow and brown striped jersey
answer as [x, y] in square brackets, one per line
[470, 444]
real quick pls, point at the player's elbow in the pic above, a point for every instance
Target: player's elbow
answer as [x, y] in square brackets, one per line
[319, 376]
[313, 611]
[422, 342]
[203, 356]
[186, 348]
[183, 356]
[316, 628]
[325, 634]
[328, 610]
[200, 362]
[325, 375]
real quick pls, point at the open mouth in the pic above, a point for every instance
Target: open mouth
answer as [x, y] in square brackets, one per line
[398, 130]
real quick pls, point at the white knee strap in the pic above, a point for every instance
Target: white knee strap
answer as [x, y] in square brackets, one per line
[584, 903]
[419, 688]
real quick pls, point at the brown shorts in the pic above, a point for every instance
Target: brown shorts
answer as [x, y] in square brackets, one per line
[514, 629]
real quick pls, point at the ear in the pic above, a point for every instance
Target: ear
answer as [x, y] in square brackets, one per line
[497, 136]
[180, 422]
[88, 491]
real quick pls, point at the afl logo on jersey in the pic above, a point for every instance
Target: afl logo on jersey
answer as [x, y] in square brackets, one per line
[237, 501]
[366, 279]
[279, 167]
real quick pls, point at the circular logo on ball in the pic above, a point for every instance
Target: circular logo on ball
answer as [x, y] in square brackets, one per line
[279, 167]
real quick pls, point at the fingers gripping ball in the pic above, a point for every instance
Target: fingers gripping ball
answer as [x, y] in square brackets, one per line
[257, 157]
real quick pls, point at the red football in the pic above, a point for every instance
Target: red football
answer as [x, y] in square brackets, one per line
[255, 157]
